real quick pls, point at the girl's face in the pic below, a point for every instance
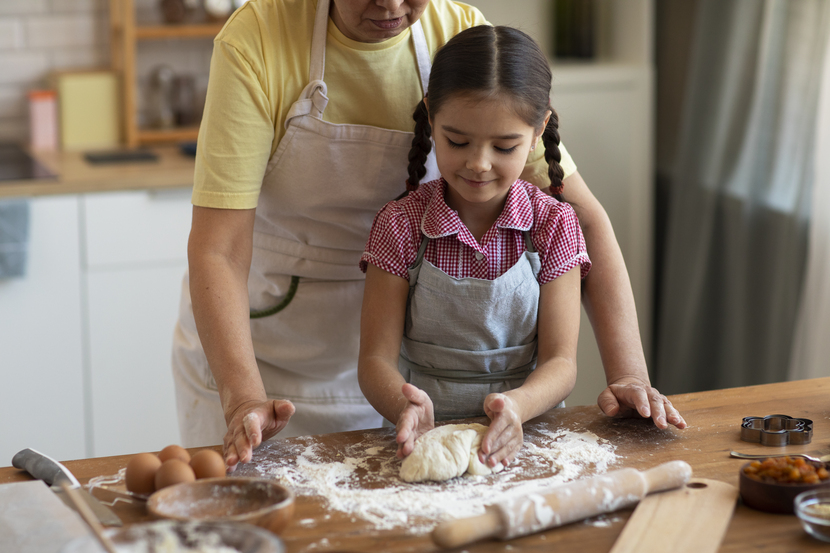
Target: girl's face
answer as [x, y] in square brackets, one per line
[375, 20]
[481, 147]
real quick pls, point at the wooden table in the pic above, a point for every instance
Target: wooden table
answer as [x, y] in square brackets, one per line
[714, 429]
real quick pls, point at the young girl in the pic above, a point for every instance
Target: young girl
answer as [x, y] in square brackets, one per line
[472, 297]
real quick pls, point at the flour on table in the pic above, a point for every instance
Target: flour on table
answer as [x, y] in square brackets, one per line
[361, 478]
[447, 452]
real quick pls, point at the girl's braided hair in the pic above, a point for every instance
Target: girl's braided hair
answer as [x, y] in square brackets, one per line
[490, 61]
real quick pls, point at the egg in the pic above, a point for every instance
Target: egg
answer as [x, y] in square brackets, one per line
[174, 452]
[207, 463]
[173, 471]
[141, 473]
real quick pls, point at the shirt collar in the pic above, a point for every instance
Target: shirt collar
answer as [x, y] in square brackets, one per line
[441, 220]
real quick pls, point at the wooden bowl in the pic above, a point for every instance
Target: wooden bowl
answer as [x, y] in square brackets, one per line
[253, 500]
[774, 497]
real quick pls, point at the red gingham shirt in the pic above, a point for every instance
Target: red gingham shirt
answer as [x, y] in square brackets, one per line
[399, 227]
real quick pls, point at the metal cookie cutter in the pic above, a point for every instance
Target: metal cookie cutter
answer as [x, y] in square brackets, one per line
[777, 430]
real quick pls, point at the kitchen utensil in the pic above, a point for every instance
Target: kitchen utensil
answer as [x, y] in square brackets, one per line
[690, 519]
[777, 430]
[189, 535]
[88, 516]
[561, 505]
[821, 459]
[813, 510]
[53, 473]
[773, 497]
[258, 501]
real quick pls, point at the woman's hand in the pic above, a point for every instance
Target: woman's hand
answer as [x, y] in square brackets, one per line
[416, 418]
[252, 423]
[630, 397]
[503, 440]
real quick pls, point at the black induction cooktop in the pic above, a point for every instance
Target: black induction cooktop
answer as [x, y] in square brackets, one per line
[16, 164]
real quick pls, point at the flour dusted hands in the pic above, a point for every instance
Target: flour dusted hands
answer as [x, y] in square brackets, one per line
[631, 397]
[416, 418]
[252, 423]
[505, 436]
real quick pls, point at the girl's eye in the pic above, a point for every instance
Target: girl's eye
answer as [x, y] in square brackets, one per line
[506, 150]
[455, 144]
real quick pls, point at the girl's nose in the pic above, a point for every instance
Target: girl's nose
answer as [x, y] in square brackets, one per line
[478, 161]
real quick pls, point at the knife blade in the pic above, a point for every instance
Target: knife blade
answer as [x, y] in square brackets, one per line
[53, 473]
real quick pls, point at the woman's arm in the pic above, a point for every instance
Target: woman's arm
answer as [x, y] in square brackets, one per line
[609, 303]
[551, 381]
[381, 330]
[219, 257]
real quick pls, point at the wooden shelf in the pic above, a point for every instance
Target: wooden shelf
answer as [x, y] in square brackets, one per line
[177, 134]
[124, 35]
[187, 30]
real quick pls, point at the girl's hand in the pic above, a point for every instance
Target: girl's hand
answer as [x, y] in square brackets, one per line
[252, 423]
[504, 439]
[416, 418]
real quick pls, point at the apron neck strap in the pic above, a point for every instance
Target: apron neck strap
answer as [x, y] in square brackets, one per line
[318, 46]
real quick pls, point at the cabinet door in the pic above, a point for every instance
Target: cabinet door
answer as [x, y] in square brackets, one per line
[605, 122]
[132, 313]
[41, 368]
[136, 258]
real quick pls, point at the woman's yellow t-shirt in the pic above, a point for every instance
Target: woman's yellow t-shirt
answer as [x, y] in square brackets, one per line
[260, 65]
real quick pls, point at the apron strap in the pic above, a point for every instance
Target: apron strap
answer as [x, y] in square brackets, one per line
[467, 377]
[313, 100]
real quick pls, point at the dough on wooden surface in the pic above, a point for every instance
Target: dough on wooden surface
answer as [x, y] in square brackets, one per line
[446, 452]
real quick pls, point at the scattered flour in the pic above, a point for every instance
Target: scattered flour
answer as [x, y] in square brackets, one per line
[361, 477]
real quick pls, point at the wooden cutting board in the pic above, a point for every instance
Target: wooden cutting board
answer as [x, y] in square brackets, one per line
[691, 519]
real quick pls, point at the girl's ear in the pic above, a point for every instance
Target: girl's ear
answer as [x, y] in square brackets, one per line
[544, 125]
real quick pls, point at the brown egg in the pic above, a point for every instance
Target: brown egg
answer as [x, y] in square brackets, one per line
[141, 473]
[207, 463]
[173, 471]
[174, 452]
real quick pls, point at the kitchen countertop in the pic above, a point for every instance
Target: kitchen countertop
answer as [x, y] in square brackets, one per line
[75, 175]
[714, 419]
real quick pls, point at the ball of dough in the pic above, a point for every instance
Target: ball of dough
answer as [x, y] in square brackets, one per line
[446, 452]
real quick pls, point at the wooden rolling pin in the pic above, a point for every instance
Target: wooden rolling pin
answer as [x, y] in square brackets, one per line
[563, 504]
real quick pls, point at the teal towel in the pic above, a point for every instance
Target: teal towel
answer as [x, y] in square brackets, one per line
[14, 238]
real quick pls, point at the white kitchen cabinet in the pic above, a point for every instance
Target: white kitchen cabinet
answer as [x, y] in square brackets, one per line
[136, 256]
[86, 335]
[42, 378]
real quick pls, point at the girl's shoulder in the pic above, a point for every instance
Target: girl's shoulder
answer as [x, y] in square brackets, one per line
[411, 207]
[543, 205]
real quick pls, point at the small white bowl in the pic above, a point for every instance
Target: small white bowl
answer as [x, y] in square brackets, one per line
[813, 510]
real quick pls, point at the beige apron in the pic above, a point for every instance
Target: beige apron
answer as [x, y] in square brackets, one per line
[321, 191]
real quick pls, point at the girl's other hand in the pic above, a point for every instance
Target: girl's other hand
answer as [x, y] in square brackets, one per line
[252, 423]
[416, 418]
[504, 439]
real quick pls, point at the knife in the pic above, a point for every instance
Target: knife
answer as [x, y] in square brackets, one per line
[53, 473]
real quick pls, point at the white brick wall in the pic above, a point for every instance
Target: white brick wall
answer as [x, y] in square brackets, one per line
[41, 36]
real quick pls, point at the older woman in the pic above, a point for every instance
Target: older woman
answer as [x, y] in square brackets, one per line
[305, 136]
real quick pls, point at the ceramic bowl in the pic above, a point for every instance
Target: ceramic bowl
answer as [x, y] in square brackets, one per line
[813, 510]
[144, 537]
[258, 501]
[774, 497]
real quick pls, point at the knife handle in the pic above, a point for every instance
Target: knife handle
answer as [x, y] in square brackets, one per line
[43, 468]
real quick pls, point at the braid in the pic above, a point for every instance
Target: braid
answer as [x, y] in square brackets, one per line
[550, 138]
[421, 146]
